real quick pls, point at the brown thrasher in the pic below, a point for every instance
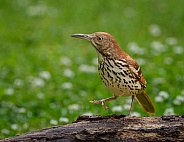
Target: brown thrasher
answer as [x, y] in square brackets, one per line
[120, 72]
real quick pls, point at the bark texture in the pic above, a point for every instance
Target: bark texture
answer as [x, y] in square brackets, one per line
[110, 128]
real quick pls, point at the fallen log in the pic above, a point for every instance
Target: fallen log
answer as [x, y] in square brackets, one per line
[110, 128]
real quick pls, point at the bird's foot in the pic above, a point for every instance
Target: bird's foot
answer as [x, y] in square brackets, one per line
[128, 116]
[102, 102]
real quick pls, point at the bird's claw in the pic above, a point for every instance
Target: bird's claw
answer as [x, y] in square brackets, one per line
[102, 102]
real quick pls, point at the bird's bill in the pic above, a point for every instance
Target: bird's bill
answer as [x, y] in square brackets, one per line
[82, 36]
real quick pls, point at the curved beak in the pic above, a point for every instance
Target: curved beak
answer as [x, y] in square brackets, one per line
[82, 36]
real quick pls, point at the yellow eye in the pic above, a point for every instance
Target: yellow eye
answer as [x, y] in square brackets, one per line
[99, 38]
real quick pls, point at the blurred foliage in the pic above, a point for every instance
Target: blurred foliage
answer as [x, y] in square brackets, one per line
[48, 78]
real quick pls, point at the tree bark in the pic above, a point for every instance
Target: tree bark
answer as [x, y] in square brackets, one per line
[110, 128]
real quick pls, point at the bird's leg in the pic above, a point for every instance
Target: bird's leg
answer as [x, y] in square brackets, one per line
[129, 114]
[103, 101]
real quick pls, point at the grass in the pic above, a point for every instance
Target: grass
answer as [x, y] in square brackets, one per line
[48, 78]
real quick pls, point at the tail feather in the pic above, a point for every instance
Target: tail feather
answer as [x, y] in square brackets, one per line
[145, 102]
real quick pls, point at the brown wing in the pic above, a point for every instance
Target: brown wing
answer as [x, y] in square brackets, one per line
[136, 70]
[131, 64]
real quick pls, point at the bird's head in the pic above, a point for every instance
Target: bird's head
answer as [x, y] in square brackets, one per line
[104, 43]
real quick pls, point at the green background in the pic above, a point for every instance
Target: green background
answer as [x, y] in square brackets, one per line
[48, 78]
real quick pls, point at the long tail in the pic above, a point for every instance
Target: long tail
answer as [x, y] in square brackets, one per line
[145, 102]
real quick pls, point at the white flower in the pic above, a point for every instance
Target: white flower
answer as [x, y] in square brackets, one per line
[134, 48]
[135, 114]
[178, 50]
[157, 81]
[29, 114]
[158, 47]
[45, 75]
[73, 107]
[25, 126]
[14, 126]
[168, 60]
[182, 92]
[67, 85]
[21, 110]
[37, 82]
[158, 99]
[164, 94]
[82, 93]
[9, 91]
[128, 100]
[169, 111]
[141, 61]
[8, 104]
[95, 61]
[87, 68]
[117, 108]
[69, 73]
[177, 102]
[53, 122]
[65, 60]
[18, 83]
[36, 10]
[52, 105]
[171, 41]
[41, 95]
[154, 30]
[87, 114]
[179, 99]
[63, 119]
[5, 131]
[126, 106]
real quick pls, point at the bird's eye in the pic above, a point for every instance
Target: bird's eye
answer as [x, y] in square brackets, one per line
[100, 38]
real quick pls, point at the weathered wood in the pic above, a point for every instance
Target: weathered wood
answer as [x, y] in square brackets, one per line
[110, 128]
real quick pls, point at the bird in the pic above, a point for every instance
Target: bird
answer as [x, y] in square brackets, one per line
[119, 71]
